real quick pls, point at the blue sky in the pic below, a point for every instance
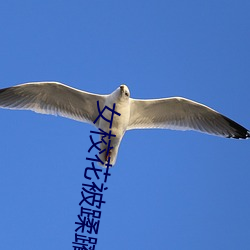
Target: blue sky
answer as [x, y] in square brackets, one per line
[169, 189]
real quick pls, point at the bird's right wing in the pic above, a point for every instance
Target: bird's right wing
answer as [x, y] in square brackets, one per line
[182, 114]
[52, 98]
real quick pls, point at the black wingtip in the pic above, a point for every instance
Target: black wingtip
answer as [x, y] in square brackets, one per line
[248, 134]
[3, 90]
[239, 131]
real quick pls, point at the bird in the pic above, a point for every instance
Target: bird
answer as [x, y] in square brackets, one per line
[175, 113]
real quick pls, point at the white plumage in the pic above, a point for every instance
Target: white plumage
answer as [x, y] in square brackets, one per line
[168, 113]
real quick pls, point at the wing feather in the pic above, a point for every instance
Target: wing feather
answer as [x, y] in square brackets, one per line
[182, 114]
[52, 98]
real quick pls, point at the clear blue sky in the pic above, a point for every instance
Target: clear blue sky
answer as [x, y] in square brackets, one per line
[169, 190]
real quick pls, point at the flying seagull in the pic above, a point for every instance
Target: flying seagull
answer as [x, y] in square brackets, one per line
[167, 113]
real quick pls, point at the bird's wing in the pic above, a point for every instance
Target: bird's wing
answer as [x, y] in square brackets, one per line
[52, 98]
[182, 114]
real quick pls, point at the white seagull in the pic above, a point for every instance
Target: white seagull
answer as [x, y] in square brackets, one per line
[167, 113]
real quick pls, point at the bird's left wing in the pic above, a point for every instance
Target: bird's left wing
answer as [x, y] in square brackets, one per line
[182, 114]
[52, 98]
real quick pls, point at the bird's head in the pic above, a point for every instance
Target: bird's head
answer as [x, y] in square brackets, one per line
[124, 91]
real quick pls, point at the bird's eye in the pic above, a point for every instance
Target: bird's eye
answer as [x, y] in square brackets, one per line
[126, 93]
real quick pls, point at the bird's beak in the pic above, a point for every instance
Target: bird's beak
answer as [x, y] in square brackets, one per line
[122, 88]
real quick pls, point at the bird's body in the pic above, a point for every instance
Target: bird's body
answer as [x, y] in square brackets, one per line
[167, 113]
[119, 124]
